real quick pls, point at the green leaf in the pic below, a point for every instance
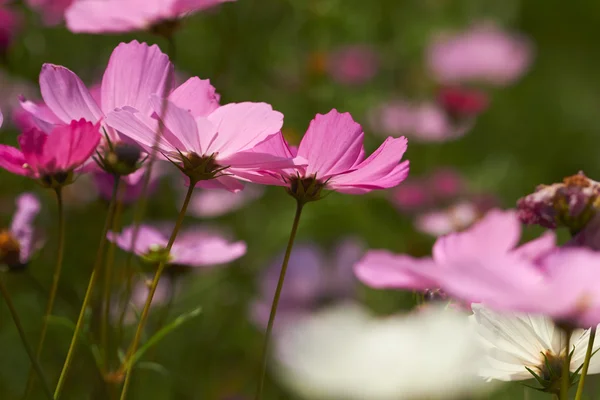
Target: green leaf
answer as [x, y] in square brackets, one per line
[164, 331]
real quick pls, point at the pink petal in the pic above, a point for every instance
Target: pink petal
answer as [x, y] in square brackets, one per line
[199, 248]
[197, 96]
[32, 144]
[110, 16]
[242, 126]
[380, 171]
[69, 146]
[333, 144]
[40, 114]
[66, 95]
[147, 238]
[181, 123]
[142, 130]
[223, 182]
[12, 160]
[382, 269]
[136, 71]
[537, 248]
[272, 153]
[495, 235]
[28, 207]
[183, 6]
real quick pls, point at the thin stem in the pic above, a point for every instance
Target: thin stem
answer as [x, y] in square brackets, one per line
[35, 364]
[53, 288]
[586, 364]
[566, 370]
[108, 268]
[275, 303]
[88, 292]
[128, 364]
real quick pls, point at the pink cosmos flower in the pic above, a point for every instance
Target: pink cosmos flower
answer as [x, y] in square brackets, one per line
[333, 148]
[461, 104]
[483, 53]
[424, 122]
[352, 65]
[22, 239]
[10, 22]
[314, 279]
[134, 72]
[213, 145]
[51, 156]
[52, 11]
[193, 247]
[214, 203]
[113, 16]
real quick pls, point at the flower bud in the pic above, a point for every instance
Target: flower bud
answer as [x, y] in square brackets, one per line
[121, 159]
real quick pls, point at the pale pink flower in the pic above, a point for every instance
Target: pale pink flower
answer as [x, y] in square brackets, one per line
[193, 247]
[213, 145]
[352, 65]
[333, 149]
[134, 72]
[483, 53]
[115, 16]
[424, 122]
[214, 203]
[52, 11]
[51, 157]
[22, 239]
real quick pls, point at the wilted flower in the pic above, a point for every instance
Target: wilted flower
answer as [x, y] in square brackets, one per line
[344, 352]
[104, 16]
[572, 204]
[21, 240]
[313, 280]
[483, 54]
[515, 342]
[214, 203]
[193, 248]
[352, 65]
[51, 158]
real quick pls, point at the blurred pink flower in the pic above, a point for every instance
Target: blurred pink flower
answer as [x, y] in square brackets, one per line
[10, 22]
[455, 218]
[412, 195]
[461, 104]
[424, 122]
[352, 65]
[212, 145]
[484, 53]
[194, 247]
[314, 279]
[52, 11]
[106, 16]
[22, 239]
[134, 72]
[214, 203]
[51, 156]
[333, 149]
[484, 265]
[446, 183]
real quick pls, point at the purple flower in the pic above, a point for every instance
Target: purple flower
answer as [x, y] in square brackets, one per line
[312, 279]
[18, 243]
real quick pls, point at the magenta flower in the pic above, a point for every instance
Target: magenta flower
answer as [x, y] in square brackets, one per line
[333, 148]
[314, 279]
[134, 72]
[52, 11]
[214, 203]
[462, 104]
[211, 145]
[18, 243]
[483, 53]
[115, 16]
[193, 247]
[51, 158]
[352, 65]
[425, 122]
[10, 23]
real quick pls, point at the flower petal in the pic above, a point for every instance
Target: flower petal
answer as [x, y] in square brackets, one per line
[197, 96]
[12, 160]
[69, 146]
[181, 123]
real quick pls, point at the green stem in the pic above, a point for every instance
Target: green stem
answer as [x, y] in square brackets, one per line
[53, 288]
[35, 364]
[128, 364]
[88, 292]
[108, 268]
[566, 370]
[275, 303]
[586, 363]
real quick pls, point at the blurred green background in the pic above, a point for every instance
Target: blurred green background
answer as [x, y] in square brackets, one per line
[537, 130]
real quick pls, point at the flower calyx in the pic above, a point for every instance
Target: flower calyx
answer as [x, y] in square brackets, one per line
[305, 189]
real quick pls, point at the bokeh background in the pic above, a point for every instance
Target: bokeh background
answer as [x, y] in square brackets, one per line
[537, 129]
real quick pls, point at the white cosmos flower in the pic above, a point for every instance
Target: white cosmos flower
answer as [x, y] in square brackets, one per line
[345, 352]
[515, 341]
